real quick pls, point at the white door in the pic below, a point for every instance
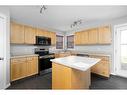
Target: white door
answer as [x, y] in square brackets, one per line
[2, 63]
[121, 50]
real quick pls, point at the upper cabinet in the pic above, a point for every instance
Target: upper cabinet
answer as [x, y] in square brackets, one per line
[99, 35]
[78, 38]
[45, 33]
[84, 37]
[30, 34]
[93, 36]
[81, 37]
[23, 34]
[40, 32]
[53, 38]
[104, 35]
[17, 33]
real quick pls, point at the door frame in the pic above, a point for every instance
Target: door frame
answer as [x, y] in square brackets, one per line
[116, 46]
[5, 61]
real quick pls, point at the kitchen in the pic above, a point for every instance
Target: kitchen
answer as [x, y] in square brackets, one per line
[45, 51]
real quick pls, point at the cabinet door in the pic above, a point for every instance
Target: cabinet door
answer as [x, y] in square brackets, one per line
[40, 32]
[46, 33]
[77, 38]
[53, 38]
[32, 66]
[30, 34]
[104, 68]
[104, 35]
[93, 36]
[84, 37]
[17, 33]
[61, 77]
[15, 71]
[18, 68]
[101, 68]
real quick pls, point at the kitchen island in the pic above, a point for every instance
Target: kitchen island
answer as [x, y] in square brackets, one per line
[72, 72]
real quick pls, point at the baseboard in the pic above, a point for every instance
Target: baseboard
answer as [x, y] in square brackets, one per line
[112, 73]
[7, 85]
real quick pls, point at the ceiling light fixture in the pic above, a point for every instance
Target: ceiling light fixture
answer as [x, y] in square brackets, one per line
[43, 8]
[75, 23]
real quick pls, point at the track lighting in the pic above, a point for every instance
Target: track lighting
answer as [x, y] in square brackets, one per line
[43, 8]
[75, 23]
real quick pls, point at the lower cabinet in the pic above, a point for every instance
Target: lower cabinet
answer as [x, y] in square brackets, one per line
[103, 67]
[64, 77]
[32, 66]
[57, 55]
[23, 67]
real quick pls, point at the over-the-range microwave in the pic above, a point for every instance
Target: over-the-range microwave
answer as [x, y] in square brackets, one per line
[41, 40]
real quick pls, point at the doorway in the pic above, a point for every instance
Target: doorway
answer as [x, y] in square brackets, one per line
[121, 50]
[2, 51]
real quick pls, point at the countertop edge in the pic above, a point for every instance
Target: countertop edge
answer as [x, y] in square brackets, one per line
[19, 56]
[76, 67]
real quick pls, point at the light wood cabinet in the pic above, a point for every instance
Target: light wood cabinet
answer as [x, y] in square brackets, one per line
[40, 32]
[52, 35]
[104, 35]
[99, 35]
[30, 35]
[64, 77]
[32, 66]
[93, 36]
[17, 33]
[18, 68]
[103, 67]
[57, 55]
[23, 34]
[53, 38]
[77, 38]
[61, 77]
[81, 38]
[84, 37]
[23, 67]
[46, 33]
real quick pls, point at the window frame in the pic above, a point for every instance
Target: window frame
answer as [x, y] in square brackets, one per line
[67, 42]
[56, 42]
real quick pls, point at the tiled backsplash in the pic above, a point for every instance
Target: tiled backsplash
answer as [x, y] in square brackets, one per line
[22, 49]
[106, 49]
[16, 49]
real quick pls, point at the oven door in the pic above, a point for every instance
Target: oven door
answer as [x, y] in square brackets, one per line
[45, 63]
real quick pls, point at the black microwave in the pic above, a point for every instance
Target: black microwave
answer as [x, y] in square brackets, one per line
[45, 41]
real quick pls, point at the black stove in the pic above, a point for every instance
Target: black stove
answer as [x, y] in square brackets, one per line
[44, 59]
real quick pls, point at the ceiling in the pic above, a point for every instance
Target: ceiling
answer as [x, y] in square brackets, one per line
[61, 17]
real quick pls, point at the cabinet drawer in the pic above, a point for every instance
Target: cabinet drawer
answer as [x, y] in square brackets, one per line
[18, 60]
[103, 58]
[32, 58]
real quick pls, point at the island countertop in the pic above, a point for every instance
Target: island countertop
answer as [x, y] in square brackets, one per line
[76, 62]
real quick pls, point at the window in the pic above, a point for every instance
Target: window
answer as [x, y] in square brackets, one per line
[59, 42]
[70, 41]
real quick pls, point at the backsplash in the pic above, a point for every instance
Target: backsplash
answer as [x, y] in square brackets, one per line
[17, 49]
[106, 49]
[22, 49]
